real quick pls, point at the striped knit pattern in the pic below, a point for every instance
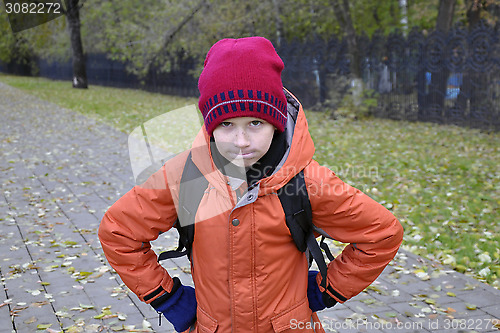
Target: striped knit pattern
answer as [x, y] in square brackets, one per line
[245, 103]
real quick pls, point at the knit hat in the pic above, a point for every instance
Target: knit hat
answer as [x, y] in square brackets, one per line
[242, 78]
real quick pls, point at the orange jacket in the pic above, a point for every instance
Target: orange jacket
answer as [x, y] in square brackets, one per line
[249, 276]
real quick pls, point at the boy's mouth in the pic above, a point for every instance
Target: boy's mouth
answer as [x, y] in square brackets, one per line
[243, 155]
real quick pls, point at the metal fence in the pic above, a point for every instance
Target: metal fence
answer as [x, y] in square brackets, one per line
[106, 72]
[449, 78]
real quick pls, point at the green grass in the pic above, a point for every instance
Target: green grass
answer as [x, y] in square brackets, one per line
[442, 182]
[121, 108]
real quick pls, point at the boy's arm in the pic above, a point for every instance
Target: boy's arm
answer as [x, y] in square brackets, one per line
[128, 227]
[350, 216]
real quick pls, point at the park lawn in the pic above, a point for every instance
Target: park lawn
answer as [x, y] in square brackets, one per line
[120, 108]
[441, 182]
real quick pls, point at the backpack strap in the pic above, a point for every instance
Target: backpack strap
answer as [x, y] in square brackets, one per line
[295, 201]
[298, 213]
[191, 189]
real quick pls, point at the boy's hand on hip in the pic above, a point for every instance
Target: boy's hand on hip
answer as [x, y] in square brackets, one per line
[179, 306]
[317, 300]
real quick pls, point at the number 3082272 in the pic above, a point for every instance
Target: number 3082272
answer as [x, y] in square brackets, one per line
[33, 8]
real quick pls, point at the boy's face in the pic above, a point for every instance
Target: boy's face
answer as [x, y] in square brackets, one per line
[243, 140]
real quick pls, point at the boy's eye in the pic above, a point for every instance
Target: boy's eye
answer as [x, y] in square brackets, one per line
[225, 124]
[256, 122]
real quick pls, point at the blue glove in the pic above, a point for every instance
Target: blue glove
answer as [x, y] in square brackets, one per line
[317, 300]
[178, 306]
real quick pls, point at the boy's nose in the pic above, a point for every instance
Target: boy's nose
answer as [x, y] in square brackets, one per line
[241, 139]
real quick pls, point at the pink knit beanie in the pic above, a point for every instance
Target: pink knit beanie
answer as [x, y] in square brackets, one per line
[242, 78]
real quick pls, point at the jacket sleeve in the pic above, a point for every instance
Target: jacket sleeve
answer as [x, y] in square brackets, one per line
[348, 215]
[128, 227]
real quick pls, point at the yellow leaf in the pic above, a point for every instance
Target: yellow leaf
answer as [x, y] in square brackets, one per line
[470, 306]
[43, 326]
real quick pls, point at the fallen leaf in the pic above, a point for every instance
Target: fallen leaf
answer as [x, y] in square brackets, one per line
[43, 326]
[470, 306]
[369, 301]
[422, 275]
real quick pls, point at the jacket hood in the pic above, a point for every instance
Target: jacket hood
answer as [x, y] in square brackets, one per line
[298, 155]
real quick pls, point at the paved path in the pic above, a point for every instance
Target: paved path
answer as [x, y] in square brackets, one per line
[60, 171]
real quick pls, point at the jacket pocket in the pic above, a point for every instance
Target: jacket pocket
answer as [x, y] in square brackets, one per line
[204, 322]
[294, 319]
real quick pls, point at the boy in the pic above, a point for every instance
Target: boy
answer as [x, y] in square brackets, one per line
[248, 274]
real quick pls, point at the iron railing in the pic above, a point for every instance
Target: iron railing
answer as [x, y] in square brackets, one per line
[451, 78]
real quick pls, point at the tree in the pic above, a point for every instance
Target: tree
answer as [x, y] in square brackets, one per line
[48, 41]
[73, 17]
[439, 79]
[475, 83]
[343, 14]
[279, 21]
[445, 15]
[14, 52]
[146, 38]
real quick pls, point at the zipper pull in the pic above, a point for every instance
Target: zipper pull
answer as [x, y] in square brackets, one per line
[159, 318]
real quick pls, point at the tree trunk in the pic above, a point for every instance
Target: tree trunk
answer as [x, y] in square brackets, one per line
[438, 86]
[445, 15]
[404, 15]
[79, 69]
[474, 84]
[343, 15]
[473, 12]
[278, 22]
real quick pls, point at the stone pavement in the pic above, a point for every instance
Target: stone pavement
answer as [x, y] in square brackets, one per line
[60, 171]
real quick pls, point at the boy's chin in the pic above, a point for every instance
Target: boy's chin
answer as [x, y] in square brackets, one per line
[241, 164]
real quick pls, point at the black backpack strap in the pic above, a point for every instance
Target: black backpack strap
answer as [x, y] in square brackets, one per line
[295, 201]
[325, 248]
[298, 213]
[186, 237]
[191, 189]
